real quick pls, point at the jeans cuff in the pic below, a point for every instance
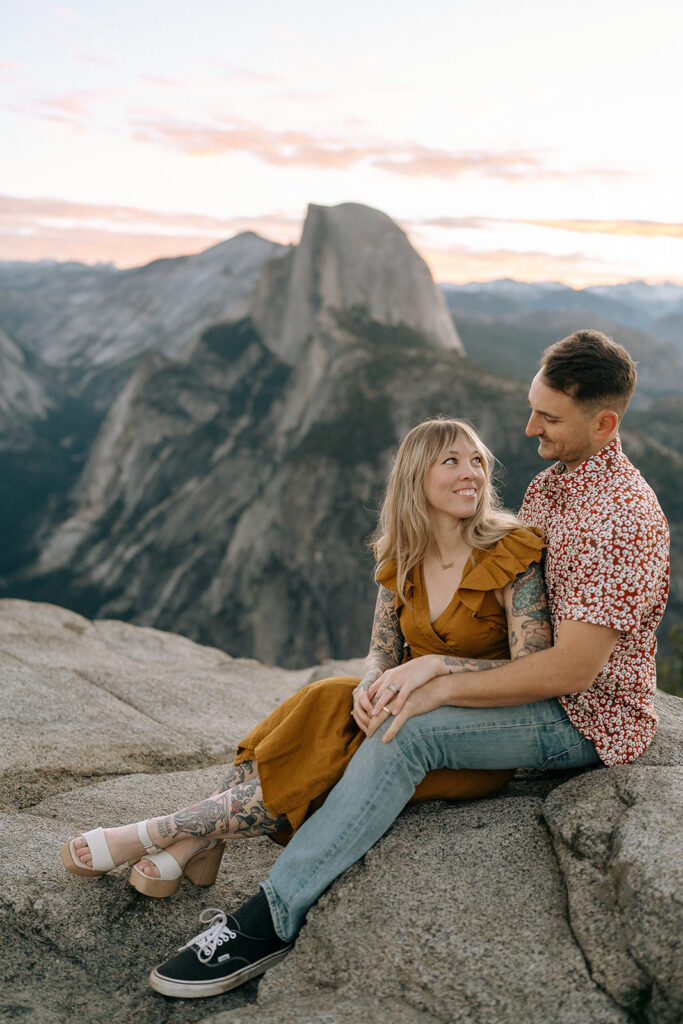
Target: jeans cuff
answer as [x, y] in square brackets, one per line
[276, 910]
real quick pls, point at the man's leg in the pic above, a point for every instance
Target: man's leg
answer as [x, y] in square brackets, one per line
[381, 778]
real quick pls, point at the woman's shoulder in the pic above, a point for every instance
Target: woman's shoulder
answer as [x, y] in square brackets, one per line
[385, 574]
[506, 559]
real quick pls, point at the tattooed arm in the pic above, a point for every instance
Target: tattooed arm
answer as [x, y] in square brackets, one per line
[528, 615]
[386, 651]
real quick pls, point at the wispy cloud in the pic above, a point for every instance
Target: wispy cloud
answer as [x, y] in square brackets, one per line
[422, 162]
[339, 152]
[46, 228]
[74, 109]
[451, 223]
[632, 228]
[460, 265]
[160, 82]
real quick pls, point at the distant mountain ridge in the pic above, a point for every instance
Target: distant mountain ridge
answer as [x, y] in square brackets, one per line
[634, 304]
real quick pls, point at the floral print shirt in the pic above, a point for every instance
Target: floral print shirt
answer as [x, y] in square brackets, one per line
[607, 563]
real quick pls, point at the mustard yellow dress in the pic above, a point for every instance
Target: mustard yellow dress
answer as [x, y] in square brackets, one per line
[303, 747]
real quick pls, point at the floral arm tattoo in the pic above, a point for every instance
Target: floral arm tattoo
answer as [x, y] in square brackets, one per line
[386, 644]
[528, 614]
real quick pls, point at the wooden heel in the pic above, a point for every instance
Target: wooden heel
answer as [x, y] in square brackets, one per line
[202, 869]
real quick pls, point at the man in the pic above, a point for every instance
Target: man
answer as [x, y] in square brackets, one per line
[586, 700]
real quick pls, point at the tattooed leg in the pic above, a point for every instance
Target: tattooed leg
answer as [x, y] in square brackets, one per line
[237, 813]
[236, 773]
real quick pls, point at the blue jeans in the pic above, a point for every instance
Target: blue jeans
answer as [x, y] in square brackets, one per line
[381, 778]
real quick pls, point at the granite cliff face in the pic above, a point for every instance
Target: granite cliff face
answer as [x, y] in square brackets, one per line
[82, 318]
[558, 899]
[350, 258]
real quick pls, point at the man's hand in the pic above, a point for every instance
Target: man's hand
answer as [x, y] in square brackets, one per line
[425, 698]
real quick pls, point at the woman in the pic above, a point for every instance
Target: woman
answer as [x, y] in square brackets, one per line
[458, 577]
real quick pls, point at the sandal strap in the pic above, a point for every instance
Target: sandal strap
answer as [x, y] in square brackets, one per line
[169, 868]
[143, 836]
[101, 857]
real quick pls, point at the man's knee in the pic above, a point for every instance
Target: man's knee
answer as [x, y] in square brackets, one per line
[414, 740]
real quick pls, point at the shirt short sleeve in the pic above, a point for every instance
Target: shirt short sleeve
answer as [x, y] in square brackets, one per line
[616, 573]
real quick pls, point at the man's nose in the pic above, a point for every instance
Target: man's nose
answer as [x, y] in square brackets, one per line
[533, 427]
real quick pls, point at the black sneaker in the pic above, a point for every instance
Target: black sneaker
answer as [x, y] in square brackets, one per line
[218, 959]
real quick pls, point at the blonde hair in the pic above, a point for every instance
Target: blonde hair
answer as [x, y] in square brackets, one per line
[403, 530]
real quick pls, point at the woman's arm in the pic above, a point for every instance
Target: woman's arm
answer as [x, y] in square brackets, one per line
[386, 651]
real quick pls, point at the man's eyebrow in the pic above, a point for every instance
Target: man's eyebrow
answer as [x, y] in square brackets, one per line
[550, 415]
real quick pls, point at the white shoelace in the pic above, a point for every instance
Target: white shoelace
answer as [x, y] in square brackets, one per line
[215, 935]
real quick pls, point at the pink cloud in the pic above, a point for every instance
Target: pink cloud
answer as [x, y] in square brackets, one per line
[461, 265]
[73, 109]
[164, 83]
[46, 228]
[297, 148]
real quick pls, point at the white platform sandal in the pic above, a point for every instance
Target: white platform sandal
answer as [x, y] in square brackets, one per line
[201, 870]
[102, 861]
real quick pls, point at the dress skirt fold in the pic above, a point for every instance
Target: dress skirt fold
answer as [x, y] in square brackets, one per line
[303, 747]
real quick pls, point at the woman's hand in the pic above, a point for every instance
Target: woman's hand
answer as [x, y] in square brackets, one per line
[396, 684]
[362, 705]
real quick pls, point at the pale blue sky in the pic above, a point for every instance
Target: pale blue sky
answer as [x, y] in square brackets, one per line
[531, 139]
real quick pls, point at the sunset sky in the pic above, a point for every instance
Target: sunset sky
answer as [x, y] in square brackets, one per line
[531, 140]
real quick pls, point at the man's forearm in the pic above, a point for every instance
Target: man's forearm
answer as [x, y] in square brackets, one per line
[468, 682]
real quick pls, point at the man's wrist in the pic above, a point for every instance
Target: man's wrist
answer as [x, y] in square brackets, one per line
[448, 685]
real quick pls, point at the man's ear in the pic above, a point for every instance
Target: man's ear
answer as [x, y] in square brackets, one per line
[606, 424]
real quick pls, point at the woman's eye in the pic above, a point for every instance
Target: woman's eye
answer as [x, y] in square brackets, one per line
[450, 460]
[477, 459]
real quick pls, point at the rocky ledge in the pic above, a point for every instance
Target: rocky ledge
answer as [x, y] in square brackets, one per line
[557, 900]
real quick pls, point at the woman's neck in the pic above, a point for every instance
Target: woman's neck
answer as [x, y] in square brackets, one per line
[447, 544]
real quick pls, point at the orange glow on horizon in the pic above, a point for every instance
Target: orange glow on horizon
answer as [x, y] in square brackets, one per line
[51, 229]
[631, 228]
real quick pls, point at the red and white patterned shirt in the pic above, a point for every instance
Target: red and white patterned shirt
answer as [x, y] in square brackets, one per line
[607, 563]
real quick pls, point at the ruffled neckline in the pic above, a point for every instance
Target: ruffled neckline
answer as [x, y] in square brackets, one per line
[499, 565]
[493, 569]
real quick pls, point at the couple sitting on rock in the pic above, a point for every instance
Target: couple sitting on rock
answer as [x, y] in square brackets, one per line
[472, 671]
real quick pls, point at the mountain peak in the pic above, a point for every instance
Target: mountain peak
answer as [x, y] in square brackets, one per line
[351, 257]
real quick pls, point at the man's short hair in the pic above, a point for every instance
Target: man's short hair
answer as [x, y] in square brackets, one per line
[592, 369]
